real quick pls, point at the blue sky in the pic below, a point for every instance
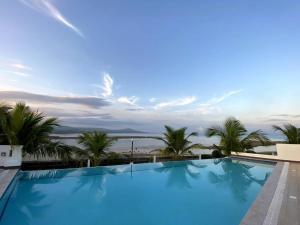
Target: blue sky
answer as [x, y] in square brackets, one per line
[142, 64]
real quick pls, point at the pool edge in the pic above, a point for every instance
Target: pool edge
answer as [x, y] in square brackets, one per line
[260, 208]
[6, 180]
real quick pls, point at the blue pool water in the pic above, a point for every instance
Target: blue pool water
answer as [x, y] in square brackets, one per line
[208, 192]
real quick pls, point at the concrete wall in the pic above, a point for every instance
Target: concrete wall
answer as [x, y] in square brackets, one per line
[259, 156]
[14, 160]
[289, 152]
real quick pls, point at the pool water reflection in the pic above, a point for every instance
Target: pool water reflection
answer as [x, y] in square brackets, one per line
[175, 193]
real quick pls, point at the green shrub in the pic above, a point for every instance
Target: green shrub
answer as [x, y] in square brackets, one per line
[250, 151]
[206, 156]
[216, 154]
[114, 156]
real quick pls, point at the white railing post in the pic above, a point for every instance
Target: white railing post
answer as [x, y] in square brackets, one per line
[89, 163]
[200, 156]
[154, 159]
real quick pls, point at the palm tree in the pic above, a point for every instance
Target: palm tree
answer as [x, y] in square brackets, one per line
[177, 143]
[234, 137]
[22, 126]
[291, 133]
[96, 144]
[4, 113]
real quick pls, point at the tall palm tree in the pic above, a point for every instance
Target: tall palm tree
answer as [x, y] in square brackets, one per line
[291, 133]
[235, 137]
[177, 141]
[96, 144]
[4, 113]
[22, 126]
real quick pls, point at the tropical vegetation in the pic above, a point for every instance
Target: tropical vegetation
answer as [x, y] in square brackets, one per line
[20, 125]
[95, 146]
[290, 132]
[234, 137]
[177, 141]
[4, 113]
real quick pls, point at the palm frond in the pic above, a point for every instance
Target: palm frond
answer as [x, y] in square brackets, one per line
[233, 136]
[176, 141]
[290, 132]
[95, 144]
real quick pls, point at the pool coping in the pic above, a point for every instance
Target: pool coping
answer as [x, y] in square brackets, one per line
[6, 178]
[266, 208]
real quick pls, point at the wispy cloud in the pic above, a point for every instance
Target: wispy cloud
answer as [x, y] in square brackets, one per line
[107, 85]
[128, 100]
[136, 109]
[217, 100]
[20, 66]
[276, 120]
[47, 8]
[152, 100]
[15, 73]
[211, 105]
[15, 67]
[286, 115]
[174, 103]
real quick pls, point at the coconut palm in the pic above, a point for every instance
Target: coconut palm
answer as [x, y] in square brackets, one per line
[177, 141]
[4, 113]
[22, 126]
[235, 137]
[96, 144]
[291, 133]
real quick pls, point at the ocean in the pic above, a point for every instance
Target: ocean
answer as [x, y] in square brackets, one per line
[142, 144]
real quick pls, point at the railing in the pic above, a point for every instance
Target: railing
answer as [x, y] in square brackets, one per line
[56, 164]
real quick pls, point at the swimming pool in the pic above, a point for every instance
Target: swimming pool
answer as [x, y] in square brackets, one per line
[194, 192]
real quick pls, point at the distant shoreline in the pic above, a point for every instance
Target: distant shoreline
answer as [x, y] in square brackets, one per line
[117, 137]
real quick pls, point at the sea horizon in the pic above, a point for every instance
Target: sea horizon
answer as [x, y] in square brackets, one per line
[142, 144]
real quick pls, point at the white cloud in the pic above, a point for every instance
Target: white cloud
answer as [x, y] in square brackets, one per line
[211, 105]
[20, 66]
[47, 8]
[107, 86]
[15, 67]
[15, 73]
[177, 102]
[128, 100]
[152, 100]
[221, 98]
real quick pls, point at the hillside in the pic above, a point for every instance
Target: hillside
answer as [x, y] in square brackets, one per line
[75, 130]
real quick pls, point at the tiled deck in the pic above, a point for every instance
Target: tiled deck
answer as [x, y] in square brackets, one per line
[290, 209]
[6, 176]
[278, 202]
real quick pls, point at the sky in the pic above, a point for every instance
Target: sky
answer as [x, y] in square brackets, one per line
[143, 64]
